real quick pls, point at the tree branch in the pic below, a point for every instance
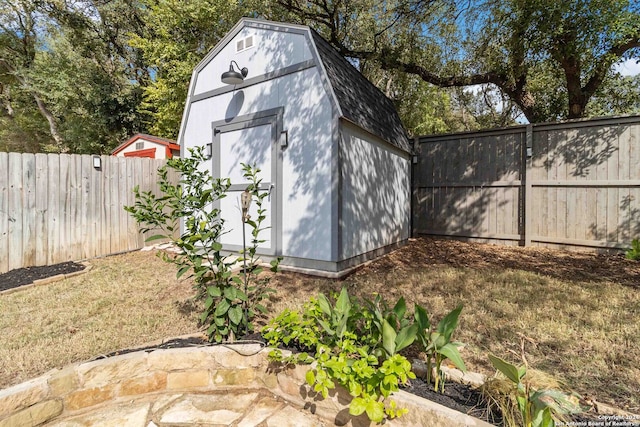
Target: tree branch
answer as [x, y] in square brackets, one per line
[604, 65]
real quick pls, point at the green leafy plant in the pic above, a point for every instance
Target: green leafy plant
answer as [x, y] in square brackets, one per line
[354, 345]
[633, 253]
[338, 319]
[230, 303]
[391, 330]
[537, 407]
[292, 327]
[437, 344]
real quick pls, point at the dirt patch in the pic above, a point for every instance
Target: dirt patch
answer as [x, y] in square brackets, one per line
[562, 265]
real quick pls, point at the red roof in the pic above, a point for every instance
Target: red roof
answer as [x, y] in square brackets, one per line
[168, 143]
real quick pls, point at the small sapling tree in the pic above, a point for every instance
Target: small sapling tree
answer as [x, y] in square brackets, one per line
[231, 298]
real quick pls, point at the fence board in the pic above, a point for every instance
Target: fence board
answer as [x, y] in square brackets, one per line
[132, 228]
[96, 176]
[147, 181]
[119, 203]
[57, 207]
[4, 211]
[634, 173]
[29, 210]
[15, 211]
[53, 207]
[112, 190]
[85, 202]
[612, 198]
[42, 191]
[580, 188]
[75, 206]
[65, 209]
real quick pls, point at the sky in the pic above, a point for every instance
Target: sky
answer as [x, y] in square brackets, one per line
[630, 67]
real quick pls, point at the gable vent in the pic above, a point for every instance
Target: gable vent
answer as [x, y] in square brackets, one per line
[244, 44]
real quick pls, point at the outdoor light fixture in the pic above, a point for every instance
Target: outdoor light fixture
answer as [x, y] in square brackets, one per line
[284, 139]
[208, 151]
[232, 77]
[97, 162]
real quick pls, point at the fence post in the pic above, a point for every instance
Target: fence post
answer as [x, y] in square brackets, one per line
[414, 192]
[528, 188]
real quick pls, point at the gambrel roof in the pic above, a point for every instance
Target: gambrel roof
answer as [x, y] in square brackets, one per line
[360, 101]
[355, 98]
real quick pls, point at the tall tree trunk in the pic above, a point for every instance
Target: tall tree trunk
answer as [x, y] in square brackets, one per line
[42, 107]
[53, 127]
[5, 95]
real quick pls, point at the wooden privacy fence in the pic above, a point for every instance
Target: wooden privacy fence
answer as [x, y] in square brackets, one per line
[574, 184]
[58, 207]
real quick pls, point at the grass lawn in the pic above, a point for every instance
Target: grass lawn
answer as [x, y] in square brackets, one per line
[578, 313]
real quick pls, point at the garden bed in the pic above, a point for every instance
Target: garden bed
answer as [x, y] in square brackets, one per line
[464, 398]
[24, 276]
[197, 377]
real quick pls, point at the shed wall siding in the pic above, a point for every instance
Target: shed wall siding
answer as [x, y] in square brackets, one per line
[375, 189]
[306, 165]
[271, 51]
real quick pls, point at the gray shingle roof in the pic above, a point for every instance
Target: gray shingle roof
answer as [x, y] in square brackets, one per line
[360, 100]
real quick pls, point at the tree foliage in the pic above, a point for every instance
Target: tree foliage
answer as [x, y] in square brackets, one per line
[177, 36]
[550, 58]
[70, 62]
[19, 35]
[95, 103]
[82, 75]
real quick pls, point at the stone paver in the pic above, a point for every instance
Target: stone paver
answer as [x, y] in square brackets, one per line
[236, 408]
[290, 417]
[163, 401]
[212, 409]
[36, 414]
[123, 415]
[260, 411]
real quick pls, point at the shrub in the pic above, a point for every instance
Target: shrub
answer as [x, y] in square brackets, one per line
[633, 253]
[230, 302]
[353, 345]
[356, 345]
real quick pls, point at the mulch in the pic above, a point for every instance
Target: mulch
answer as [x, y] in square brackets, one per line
[25, 276]
[559, 264]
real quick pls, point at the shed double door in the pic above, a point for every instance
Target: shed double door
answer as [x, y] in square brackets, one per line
[250, 140]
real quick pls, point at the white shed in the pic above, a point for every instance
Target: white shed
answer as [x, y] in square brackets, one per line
[331, 147]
